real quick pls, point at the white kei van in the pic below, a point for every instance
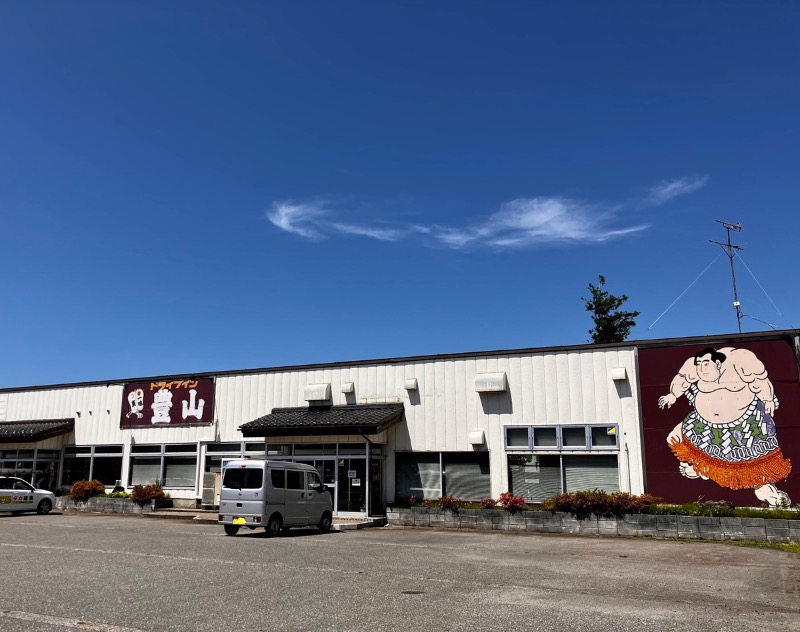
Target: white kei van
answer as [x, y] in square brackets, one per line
[275, 495]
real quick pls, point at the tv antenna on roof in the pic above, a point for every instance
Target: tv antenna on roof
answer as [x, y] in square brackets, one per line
[731, 250]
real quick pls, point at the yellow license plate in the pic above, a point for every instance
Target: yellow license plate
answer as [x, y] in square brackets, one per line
[238, 521]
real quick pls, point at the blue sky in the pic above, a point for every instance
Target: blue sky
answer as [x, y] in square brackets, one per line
[189, 187]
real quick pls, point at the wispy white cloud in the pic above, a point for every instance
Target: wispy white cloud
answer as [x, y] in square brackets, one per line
[520, 223]
[383, 234]
[300, 219]
[530, 221]
[670, 189]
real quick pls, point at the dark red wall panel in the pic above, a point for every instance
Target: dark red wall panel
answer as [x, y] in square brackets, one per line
[658, 367]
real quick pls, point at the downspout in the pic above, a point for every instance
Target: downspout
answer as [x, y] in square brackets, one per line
[368, 497]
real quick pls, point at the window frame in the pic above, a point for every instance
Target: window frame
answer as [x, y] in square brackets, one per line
[587, 446]
[163, 451]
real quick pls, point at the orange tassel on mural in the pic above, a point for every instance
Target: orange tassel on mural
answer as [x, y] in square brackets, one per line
[769, 468]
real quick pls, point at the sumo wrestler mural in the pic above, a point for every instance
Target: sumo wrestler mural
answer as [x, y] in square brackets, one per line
[724, 408]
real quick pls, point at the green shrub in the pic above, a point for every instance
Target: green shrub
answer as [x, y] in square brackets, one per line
[724, 509]
[84, 490]
[601, 503]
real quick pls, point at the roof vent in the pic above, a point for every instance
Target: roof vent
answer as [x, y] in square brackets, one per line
[619, 374]
[317, 392]
[491, 382]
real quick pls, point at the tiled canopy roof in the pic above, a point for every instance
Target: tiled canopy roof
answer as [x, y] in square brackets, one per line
[34, 430]
[325, 420]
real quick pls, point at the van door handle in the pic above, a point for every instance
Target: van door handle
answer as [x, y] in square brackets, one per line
[302, 495]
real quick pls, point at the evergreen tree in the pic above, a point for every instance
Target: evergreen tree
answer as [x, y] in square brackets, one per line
[610, 324]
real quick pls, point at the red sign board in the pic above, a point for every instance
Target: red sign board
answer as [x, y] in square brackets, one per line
[722, 422]
[176, 402]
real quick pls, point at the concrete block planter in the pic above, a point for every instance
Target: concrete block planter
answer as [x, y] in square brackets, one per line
[103, 505]
[111, 505]
[631, 525]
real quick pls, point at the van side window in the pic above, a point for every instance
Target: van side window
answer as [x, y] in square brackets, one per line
[243, 478]
[295, 479]
[278, 478]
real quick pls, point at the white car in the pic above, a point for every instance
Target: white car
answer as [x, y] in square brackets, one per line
[17, 495]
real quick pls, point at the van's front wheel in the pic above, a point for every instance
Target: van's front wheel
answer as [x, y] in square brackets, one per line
[231, 529]
[325, 522]
[273, 526]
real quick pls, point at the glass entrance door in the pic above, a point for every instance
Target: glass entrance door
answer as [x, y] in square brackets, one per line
[352, 489]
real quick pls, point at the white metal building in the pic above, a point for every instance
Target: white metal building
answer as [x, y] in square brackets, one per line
[471, 425]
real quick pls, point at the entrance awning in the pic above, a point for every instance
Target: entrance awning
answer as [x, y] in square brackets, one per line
[364, 419]
[34, 430]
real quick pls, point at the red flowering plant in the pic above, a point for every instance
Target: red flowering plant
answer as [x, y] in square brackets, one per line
[448, 502]
[511, 503]
[427, 503]
[488, 503]
[84, 490]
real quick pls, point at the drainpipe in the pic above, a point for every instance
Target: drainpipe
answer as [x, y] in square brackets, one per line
[367, 482]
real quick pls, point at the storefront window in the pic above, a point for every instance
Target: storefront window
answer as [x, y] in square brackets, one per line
[164, 464]
[418, 474]
[539, 477]
[100, 462]
[107, 470]
[76, 468]
[145, 470]
[466, 475]
[429, 475]
[179, 471]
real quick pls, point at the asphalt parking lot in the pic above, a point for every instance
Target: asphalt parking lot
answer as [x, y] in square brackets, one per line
[118, 573]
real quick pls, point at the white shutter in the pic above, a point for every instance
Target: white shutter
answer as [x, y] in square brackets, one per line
[537, 478]
[582, 473]
[467, 475]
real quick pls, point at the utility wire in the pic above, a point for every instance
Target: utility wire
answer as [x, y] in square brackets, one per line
[761, 321]
[759, 285]
[684, 292]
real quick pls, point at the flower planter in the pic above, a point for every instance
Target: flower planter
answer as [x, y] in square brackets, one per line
[632, 525]
[103, 505]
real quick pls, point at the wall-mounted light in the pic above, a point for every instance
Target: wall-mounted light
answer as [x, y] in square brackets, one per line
[348, 387]
[410, 384]
[477, 437]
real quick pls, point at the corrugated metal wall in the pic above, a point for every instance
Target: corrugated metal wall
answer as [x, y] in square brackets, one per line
[544, 388]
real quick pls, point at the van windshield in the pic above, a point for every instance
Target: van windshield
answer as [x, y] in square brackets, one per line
[243, 478]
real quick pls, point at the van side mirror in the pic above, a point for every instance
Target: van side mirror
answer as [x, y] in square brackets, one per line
[322, 489]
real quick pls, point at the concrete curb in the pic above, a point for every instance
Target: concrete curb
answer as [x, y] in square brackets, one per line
[347, 524]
